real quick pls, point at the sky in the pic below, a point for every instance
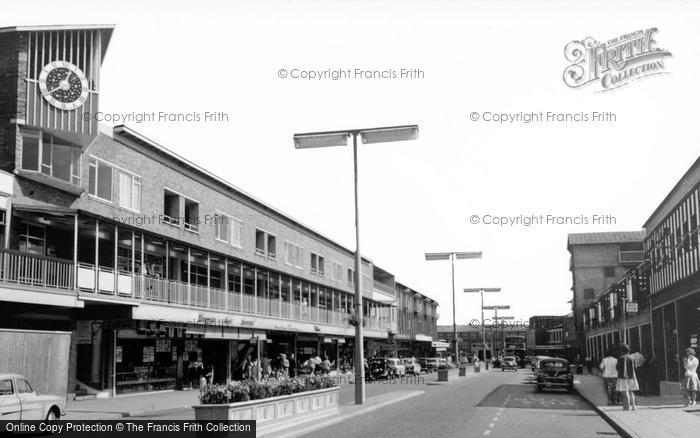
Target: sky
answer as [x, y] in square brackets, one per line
[500, 57]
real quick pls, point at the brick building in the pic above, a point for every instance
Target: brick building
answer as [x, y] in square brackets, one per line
[154, 264]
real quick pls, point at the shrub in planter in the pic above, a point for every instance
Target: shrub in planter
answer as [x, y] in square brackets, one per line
[251, 390]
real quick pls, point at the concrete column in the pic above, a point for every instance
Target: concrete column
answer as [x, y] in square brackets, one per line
[96, 365]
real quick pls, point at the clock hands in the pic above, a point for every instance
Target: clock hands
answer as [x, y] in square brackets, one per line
[64, 84]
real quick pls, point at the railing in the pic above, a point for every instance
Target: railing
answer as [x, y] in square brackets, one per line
[21, 268]
[36, 271]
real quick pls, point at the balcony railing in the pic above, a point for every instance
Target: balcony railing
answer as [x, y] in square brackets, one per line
[45, 272]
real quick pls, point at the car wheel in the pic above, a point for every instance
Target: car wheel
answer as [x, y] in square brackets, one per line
[51, 416]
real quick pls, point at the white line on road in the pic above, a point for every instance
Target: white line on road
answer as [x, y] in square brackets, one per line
[486, 432]
[490, 424]
[494, 419]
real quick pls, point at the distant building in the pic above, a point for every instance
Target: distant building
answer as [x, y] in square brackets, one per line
[471, 341]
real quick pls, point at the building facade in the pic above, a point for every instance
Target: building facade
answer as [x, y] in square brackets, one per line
[598, 261]
[472, 342]
[157, 267]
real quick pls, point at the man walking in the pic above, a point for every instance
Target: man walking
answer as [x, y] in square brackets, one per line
[609, 368]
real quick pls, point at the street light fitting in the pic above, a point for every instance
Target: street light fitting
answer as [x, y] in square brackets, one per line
[496, 307]
[482, 289]
[324, 139]
[390, 133]
[321, 140]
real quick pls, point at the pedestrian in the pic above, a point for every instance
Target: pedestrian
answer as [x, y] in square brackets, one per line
[627, 378]
[284, 365]
[266, 369]
[244, 368]
[316, 364]
[690, 383]
[255, 369]
[589, 364]
[292, 366]
[325, 366]
[609, 368]
[210, 375]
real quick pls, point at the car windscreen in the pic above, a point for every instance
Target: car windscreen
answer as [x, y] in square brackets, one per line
[551, 364]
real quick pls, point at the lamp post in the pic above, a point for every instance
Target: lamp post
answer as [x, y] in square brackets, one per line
[481, 292]
[495, 317]
[340, 138]
[435, 256]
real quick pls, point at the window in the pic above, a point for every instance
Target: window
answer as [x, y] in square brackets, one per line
[106, 181]
[192, 215]
[317, 264]
[6, 387]
[588, 294]
[23, 387]
[47, 154]
[129, 191]
[171, 208]
[366, 283]
[351, 277]
[609, 271]
[228, 229]
[294, 255]
[336, 271]
[32, 239]
[265, 244]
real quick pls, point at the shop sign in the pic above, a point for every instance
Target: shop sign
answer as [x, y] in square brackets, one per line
[207, 320]
[247, 322]
[162, 345]
[190, 345]
[174, 354]
[632, 307]
[149, 354]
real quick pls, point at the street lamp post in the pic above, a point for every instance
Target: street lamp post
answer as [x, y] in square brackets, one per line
[340, 138]
[495, 318]
[434, 256]
[481, 292]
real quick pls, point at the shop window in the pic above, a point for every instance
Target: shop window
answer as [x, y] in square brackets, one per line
[32, 239]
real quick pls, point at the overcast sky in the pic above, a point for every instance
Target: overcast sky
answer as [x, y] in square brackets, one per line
[498, 56]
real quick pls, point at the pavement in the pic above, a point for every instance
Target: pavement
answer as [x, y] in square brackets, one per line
[655, 416]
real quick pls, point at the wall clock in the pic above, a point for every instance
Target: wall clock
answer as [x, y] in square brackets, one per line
[63, 85]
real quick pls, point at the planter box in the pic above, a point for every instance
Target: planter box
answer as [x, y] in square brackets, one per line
[274, 409]
[462, 371]
[442, 375]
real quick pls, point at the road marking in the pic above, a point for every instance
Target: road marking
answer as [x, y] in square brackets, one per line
[494, 419]
[486, 432]
[491, 424]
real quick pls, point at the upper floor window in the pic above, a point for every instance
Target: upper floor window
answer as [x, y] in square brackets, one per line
[49, 155]
[191, 215]
[351, 277]
[171, 207]
[228, 229]
[366, 282]
[102, 180]
[265, 244]
[318, 264]
[336, 271]
[294, 255]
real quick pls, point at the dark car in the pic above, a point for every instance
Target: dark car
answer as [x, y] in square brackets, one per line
[378, 368]
[554, 373]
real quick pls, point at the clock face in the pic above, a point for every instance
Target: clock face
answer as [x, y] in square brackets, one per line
[63, 85]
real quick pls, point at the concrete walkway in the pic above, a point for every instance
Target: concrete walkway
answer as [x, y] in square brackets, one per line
[654, 417]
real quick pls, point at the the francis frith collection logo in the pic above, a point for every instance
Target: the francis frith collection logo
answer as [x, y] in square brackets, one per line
[615, 63]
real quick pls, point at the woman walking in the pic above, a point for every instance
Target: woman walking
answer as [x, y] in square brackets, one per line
[690, 383]
[626, 378]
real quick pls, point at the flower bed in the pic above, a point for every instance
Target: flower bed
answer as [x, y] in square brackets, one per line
[268, 400]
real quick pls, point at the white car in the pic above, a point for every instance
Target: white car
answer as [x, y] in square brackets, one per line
[412, 366]
[18, 401]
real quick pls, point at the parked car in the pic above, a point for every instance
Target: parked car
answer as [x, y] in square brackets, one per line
[509, 363]
[18, 401]
[555, 373]
[396, 367]
[412, 366]
[378, 368]
[432, 363]
[536, 362]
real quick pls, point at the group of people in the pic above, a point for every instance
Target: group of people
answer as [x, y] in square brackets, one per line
[620, 376]
[280, 367]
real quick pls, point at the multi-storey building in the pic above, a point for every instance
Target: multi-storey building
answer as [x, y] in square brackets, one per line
[155, 265]
[598, 260]
[416, 322]
[672, 252]
[471, 340]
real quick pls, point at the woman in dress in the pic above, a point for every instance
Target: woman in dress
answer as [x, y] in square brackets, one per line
[626, 378]
[690, 383]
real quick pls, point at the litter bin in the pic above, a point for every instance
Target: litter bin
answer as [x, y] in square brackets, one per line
[477, 368]
[462, 371]
[442, 375]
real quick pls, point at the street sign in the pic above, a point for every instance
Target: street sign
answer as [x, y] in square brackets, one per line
[632, 307]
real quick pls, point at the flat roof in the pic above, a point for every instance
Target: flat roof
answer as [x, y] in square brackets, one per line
[106, 28]
[605, 237]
